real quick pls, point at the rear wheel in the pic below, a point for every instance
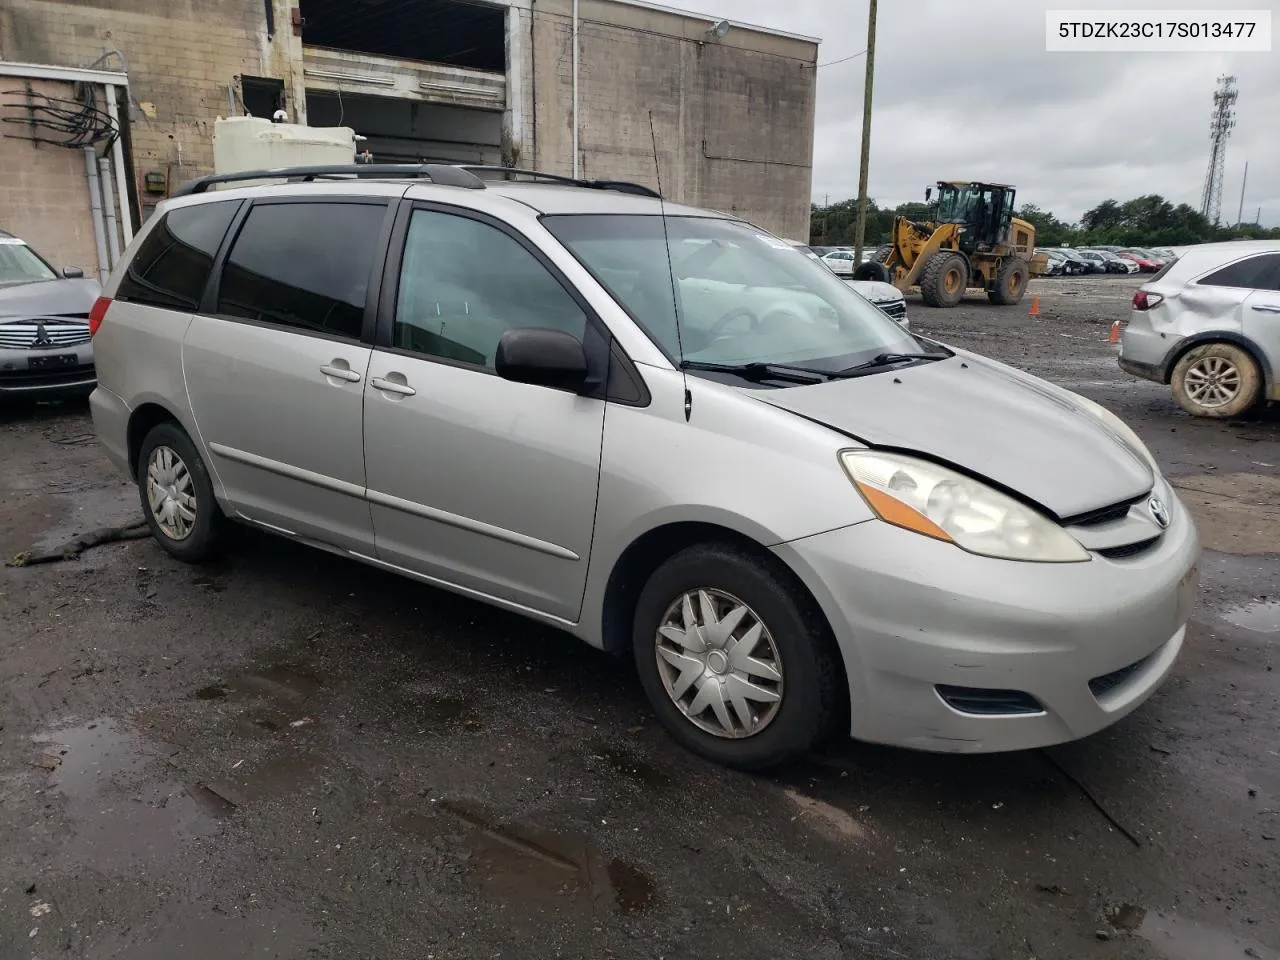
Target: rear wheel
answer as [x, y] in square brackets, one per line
[872, 270]
[1217, 380]
[177, 495]
[737, 662]
[1011, 282]
[943, 279]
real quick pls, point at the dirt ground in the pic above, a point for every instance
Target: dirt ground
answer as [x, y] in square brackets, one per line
[288, 755]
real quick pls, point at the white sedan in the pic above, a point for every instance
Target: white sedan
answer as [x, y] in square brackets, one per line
[840, 262]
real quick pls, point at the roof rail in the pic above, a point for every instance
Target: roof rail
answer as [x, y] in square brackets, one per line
[441, 173]
[511, 173]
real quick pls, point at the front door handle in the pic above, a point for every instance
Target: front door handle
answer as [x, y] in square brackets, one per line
[1266, 308]
[390, 386]
[342, 372]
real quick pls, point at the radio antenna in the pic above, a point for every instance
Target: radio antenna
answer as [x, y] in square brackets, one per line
[671, 271]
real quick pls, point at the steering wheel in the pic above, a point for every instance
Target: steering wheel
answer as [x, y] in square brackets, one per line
[717, 328]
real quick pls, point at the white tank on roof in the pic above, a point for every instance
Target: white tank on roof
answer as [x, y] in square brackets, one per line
[255, 143]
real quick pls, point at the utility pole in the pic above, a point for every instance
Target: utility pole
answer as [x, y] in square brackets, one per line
[1240, 214]
[860, 231]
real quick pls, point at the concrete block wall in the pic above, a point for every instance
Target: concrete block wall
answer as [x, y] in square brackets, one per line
[181, 58]
[733, 118]
[44, 196]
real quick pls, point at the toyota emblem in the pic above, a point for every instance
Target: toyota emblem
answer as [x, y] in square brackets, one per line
[1159, 512]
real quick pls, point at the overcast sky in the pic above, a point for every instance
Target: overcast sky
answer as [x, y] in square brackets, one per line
[965, 89]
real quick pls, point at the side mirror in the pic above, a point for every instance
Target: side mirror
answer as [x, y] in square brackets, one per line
[928, 194]
[73, 273]
[544, 358]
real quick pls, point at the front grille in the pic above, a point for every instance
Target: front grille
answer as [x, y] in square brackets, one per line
[1117, 511]
[1101, 686]
[48, 376]
[988, 703]
[897, 309]
[58, 332]
[1129, 549]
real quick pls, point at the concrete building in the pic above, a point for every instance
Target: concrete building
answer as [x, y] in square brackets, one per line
[731, 109]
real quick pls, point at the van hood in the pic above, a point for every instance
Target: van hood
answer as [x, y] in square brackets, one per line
[876, 291]
[991, 420]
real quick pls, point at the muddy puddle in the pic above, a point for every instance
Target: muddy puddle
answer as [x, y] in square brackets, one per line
[122, 806]
[538, 872]
[1178, 938]
[1260, 616]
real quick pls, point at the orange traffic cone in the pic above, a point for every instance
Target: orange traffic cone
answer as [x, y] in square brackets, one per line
[1035, 307]
[1115, 332]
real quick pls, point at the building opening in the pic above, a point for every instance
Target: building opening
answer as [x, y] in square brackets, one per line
[461, 33]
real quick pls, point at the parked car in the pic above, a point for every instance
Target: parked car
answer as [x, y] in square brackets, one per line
[1092, 264]
[663, 432]
[1145, 263]
[1055, 263]
[1209, 325]
[883, 295]
[1071, 266]
[1111, 262]
[840, 262]
[45, 349]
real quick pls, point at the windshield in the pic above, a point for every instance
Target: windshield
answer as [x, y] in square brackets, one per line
[956, 203]
[744, 296]
[20, 264]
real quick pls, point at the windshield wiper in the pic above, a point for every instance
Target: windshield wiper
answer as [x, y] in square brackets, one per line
[889, 359]
[758, 372]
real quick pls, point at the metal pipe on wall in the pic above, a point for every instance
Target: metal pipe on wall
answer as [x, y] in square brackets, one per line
[109, 208]
[95, 206]
[117, 159]
[575, 89]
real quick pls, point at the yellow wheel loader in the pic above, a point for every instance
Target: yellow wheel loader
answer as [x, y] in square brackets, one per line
[974, 240]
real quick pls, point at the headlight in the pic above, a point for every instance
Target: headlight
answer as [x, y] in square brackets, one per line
[1119, 428]
[928, 499]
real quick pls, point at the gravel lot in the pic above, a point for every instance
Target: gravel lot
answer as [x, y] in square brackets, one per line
[289, 755]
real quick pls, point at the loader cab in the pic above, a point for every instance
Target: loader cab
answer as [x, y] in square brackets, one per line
[983, 209]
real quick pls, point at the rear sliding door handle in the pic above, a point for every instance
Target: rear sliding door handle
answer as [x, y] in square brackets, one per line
[390, 386]
[341, 373]
[1266, 308]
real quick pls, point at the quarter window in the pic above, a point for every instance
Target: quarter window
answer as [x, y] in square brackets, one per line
[172, 266]
[303, 265]
[463, 284]
[1256, 273]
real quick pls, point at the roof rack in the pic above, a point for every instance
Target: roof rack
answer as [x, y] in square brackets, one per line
[448, 175]
[512, 173]
[441, 173]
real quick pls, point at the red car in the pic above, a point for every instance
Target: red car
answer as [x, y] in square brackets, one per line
[1145, 264]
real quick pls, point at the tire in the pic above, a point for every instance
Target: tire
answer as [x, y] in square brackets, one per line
[795, 640]
[872, 270]
[1011, 282]
[200, 536]
[1219, 380]
[882, 253]
[944, 279]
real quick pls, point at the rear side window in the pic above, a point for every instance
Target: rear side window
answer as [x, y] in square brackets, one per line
[1256, 273]
[303, 265]
[172, 266]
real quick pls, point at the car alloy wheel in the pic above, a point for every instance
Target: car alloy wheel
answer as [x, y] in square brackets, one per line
[719, 664]
[1212, 382]
[171, 493]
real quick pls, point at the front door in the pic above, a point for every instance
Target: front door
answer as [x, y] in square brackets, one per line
[276, 369]
[473, 480]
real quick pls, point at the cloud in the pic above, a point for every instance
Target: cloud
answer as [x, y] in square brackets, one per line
[966, 89]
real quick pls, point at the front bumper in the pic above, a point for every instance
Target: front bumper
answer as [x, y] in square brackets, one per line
[911, 614]
[30, 372]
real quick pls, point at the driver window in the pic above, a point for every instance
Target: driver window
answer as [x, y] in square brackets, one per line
[464, 283]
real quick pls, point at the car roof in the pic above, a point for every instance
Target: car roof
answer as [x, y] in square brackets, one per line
[544, 198]
[1208, 256]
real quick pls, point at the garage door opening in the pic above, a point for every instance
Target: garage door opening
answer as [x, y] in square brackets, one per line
[461, 33]
[405, 131]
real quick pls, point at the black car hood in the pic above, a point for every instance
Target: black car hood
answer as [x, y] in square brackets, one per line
[48, 298]
[990, 420]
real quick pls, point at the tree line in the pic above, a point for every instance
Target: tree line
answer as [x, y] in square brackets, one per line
[1148, 221]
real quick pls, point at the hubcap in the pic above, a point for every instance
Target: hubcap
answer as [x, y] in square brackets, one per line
[719, 664]
[1212, 381]
[170, 493]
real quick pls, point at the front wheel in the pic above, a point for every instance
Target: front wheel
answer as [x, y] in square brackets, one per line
[177, 495]
[1217, 380]
[1011, 282]
[944, 279]
[738, 664]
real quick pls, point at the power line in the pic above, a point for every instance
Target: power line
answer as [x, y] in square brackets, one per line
[832, 63]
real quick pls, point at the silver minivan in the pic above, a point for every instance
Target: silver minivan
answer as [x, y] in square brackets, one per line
[1208, 324]
[659, 428]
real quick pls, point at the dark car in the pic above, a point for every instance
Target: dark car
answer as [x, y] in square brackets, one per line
[45, 349]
